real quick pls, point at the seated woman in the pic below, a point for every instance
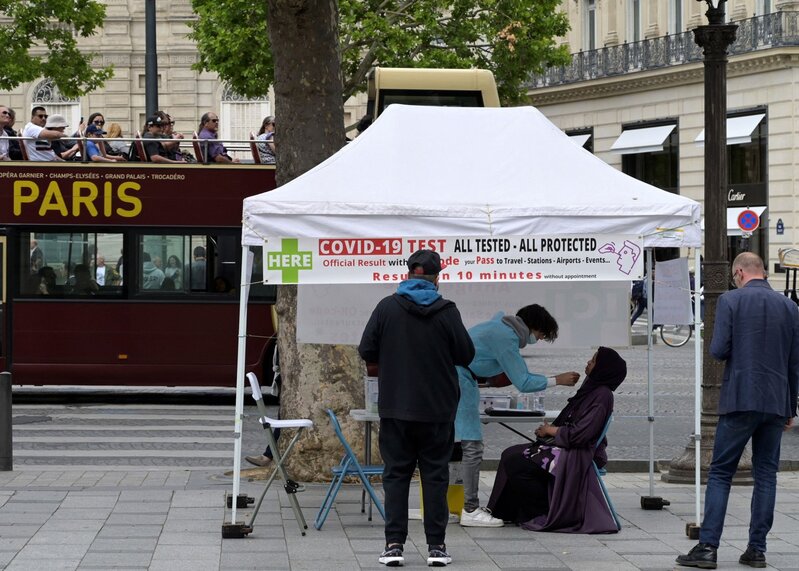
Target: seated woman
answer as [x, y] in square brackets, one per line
[551, 485]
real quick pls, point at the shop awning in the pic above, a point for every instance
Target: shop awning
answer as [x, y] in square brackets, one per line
[580, 140]
[732, 219]
[739, 129]
[645, 140]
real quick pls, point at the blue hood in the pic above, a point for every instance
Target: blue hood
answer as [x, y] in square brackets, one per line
[420, 292]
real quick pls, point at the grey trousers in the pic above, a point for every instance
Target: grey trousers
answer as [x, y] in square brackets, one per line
[470, 470]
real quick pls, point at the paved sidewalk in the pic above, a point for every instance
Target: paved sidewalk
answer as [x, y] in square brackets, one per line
[171, 520]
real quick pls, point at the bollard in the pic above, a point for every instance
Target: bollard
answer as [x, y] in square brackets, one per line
[6, 447]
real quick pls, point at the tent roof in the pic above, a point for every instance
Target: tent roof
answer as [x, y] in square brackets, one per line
[436, 171]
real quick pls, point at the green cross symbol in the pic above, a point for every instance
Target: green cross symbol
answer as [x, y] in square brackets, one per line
[289, 261]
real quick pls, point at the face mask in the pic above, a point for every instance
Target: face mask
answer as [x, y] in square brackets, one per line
[532, 340]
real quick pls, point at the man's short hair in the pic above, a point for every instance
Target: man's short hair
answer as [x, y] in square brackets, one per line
[538, 319]
[750, 262]
[145, 257]
[199, 252]
[37, 109]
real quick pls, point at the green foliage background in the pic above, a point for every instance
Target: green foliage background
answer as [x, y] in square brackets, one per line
[39, 38]
[512, 38]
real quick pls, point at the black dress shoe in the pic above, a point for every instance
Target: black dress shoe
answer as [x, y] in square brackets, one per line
[703, 555]
[753, 558]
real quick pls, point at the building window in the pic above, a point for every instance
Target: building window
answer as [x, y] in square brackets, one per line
[651, 154]
[583, 138]
[238, 117]
[763, 7]
[634, 19]
[47, 94]
[747, 173]
[675, 16]
[590, 25]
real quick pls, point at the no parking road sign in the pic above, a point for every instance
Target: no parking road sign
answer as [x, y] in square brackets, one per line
[748, 220]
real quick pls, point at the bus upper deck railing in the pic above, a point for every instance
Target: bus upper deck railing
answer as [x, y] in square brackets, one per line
[246, 150]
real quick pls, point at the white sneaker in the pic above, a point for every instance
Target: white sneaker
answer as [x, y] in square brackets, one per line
[481, 517]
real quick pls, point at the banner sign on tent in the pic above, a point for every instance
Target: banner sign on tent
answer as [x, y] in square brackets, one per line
[464, 259]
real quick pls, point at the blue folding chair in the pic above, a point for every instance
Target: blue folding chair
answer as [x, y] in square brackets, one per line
[349, 466]
[599, 473]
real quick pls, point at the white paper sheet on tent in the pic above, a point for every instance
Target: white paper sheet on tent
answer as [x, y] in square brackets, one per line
[739, 129]
[643, 140]
[588, 313]
[672, 293]
[408, 175]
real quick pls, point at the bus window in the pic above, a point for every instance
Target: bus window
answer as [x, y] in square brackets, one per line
[258, 289]
[435, 87]
[189, 263]
[165, 262]
[70, 264]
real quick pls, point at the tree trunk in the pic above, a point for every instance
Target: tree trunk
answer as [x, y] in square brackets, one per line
[309, 128]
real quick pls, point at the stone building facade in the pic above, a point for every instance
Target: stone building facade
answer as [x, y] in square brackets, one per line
[183, 92]
[634, 96]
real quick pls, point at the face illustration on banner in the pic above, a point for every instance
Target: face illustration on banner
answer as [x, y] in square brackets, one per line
[628, 255]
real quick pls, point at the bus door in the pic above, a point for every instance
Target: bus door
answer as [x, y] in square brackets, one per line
[3, 349]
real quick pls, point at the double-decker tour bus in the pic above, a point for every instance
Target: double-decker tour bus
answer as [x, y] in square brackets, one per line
[127, 273]
[435, 87]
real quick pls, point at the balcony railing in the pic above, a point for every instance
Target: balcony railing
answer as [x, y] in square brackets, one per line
[759, 33]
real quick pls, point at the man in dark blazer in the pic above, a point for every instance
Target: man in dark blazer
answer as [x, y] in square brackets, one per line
[757, 335]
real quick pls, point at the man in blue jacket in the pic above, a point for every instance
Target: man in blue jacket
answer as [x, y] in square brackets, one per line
[757, 334]
[417, 338]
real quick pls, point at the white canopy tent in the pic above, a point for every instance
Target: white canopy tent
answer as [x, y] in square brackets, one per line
[435, 172]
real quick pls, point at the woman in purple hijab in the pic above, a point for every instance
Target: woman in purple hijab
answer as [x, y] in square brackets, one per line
[551, 485]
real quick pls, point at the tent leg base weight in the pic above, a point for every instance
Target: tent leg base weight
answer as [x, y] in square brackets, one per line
[235, 530]
[242, 501]
[692, 530]
[653, 503]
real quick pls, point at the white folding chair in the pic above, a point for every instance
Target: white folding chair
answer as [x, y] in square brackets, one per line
[279, 457]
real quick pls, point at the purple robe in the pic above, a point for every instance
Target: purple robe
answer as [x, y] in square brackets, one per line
[576, 502]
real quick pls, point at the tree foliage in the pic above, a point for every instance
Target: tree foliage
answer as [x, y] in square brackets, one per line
[512, 38]
[39, 38]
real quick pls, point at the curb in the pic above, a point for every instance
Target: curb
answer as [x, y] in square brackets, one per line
[638, 466]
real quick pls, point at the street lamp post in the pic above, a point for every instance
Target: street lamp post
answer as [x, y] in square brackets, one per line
[714, 39]
[150, 60]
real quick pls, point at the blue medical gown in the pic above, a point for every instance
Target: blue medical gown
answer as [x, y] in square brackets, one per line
[496, 346]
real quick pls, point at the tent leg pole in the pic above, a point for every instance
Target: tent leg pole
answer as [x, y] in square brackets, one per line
[240, 365]
[651, 502]
[692, 530]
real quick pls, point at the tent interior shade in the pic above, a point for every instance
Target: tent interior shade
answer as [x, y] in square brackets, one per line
[580, 140]
[423, 171]
[739, 129]
[644, 140]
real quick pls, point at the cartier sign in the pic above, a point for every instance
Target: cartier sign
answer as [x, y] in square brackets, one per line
[746, 195]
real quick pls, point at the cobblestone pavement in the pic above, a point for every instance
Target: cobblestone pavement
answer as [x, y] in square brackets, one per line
[171, 520]
[192, 436]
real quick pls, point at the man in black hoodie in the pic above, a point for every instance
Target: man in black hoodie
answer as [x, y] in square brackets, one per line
[417, 338]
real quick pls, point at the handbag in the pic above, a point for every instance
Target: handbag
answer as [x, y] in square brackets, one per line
[544, 455]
